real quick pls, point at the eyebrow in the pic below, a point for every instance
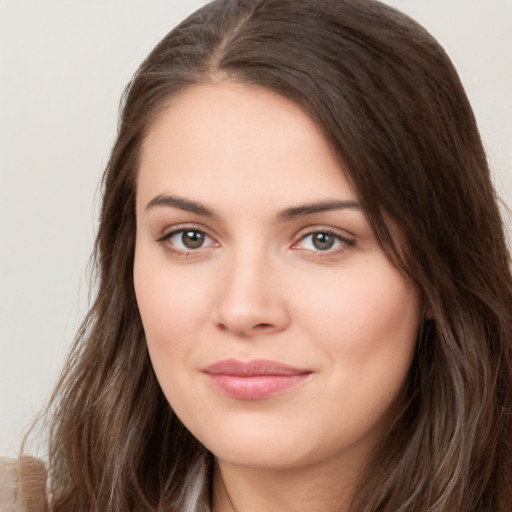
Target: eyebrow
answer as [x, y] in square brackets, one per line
[284, 216]
[319, 207]
[182, 204]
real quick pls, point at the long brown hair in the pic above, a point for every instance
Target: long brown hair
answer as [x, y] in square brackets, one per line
[391, 105]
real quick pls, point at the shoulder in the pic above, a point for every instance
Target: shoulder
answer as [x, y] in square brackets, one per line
[22, 485]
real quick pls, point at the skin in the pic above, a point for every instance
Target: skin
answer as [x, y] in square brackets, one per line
[257, 287]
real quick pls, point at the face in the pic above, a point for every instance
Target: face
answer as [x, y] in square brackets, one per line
[279, 331]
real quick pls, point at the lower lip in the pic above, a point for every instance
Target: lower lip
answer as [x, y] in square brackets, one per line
[255, 387]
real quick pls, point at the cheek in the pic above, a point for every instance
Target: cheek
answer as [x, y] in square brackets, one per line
[366, 323]
[170, 300]
[172, 309]
[168, 314]
[362, 305]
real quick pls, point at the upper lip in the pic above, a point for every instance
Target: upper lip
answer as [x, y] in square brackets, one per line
[254, 367]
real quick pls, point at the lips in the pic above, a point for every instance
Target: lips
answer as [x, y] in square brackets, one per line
[253, 380]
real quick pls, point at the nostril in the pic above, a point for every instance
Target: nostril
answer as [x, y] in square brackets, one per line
[263, 326]
[244, 314]
[244, 330]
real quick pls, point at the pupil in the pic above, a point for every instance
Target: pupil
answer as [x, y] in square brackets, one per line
[323, 241]
[192, 239]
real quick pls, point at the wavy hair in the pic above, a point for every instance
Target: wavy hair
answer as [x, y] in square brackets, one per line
[392, 107]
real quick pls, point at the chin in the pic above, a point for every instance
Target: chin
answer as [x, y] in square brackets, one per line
[261, 455]
[255, 442]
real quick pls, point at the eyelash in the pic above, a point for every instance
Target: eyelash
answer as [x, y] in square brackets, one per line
[164, 240]
[342, 242]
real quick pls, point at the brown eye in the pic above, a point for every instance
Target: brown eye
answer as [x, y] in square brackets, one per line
[192, 239]
[186, 240]
[323, 241]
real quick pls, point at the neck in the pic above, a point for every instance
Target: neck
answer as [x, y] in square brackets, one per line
[246, 489]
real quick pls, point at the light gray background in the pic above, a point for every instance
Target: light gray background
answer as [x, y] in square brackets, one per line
[63, 67]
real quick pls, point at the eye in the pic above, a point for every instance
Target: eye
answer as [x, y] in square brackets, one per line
[186, 240]
[323, 241]
[189, 239]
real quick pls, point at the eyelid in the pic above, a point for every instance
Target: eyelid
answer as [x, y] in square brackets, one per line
[345, 240]
[176, 228]
[171, 231]
[341, 235]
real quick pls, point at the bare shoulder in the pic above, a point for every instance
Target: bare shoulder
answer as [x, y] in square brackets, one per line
[22, 485]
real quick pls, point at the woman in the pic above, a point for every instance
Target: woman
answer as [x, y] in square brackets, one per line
[304, 293]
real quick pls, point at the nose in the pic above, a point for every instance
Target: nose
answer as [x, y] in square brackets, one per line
[251, 301]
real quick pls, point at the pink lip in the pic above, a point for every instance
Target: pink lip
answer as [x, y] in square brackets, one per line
[253, 380]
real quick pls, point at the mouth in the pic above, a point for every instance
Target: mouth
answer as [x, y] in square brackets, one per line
[253, 380]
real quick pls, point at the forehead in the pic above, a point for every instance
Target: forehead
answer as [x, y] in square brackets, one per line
[223, 139]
